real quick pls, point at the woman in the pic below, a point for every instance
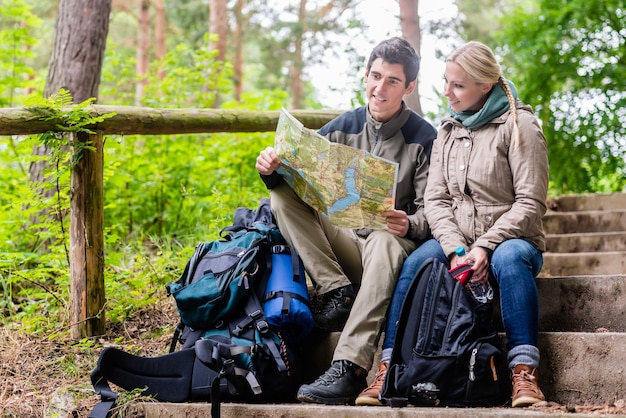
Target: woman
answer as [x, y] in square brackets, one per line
[486, 193]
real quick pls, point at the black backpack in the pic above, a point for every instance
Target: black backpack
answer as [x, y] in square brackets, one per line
[446, 351]
[230, 349]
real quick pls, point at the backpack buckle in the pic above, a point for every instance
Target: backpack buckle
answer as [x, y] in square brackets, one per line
[248, 320]
[256, 314]
[263, 326]
[227, 367]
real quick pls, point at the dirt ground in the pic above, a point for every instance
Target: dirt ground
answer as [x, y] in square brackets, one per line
[50, 377]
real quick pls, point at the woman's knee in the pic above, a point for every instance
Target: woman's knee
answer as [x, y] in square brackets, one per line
[516, 255]
[429, 249]
[513, 250]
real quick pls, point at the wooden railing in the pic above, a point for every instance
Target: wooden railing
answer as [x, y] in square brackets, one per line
[87, 293]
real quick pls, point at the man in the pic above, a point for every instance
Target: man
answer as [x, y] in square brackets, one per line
[341, 261]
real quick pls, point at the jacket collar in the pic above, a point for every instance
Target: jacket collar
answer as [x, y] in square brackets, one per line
[390, 128]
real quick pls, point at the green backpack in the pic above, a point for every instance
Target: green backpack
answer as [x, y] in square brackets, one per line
[220, 274]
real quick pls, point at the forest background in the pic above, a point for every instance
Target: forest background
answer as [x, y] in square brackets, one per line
[165, 193]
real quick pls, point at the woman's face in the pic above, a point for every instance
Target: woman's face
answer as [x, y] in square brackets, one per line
[463, 93]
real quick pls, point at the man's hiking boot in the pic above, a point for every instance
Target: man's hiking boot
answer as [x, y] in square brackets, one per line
[371, 395]
[526, 391]
[334, 308]
[339, 385]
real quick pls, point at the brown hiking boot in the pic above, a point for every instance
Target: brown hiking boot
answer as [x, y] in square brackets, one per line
[371, 394]
[526, 392]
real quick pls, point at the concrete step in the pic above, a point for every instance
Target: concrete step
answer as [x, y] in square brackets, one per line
[576, 367]
[585, 221]
[586, 242]
[570, 303]
[234, 410]
[592, 201]
[583, 368]
[583, 303]
[583, 263]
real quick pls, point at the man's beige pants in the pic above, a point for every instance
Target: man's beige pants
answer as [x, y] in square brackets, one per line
[335, 257]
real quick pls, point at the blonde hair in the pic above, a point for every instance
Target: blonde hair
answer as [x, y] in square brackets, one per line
[481, 66]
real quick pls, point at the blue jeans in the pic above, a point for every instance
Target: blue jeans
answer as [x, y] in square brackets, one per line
[514, 265]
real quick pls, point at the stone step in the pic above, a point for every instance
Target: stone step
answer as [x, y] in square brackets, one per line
[576, 369]
[583, 263]
[592, 201]
[583, 368]
[236, 410]
[586, 242]
[585, 221]
[583, 303]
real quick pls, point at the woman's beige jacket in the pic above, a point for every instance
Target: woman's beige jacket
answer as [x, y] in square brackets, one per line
[484, 188]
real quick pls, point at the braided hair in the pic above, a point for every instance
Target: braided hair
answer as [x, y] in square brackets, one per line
[481, 66]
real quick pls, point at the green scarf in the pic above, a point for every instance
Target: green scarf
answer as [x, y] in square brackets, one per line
[496, 104]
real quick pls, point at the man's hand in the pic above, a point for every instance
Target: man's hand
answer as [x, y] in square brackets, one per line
[397, 222]
[267, 162]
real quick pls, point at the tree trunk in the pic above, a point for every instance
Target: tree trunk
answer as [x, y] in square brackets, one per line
[160, 25]
[297, 87]
[410, 24]
[238, 48]
[143, 49]
[76, 64]
[218, 25]
[78, 50]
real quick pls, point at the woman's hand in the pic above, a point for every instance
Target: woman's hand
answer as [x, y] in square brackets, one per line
[480, 265]
[398, 222]
[267, 162]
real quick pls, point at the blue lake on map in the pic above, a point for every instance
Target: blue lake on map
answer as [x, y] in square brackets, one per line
[353, 194]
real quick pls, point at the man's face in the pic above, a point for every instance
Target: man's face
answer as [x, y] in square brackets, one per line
[385, 88]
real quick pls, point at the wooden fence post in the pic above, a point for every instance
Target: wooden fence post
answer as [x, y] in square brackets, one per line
[87, 241]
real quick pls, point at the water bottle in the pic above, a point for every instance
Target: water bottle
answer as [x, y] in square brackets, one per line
[483, 293]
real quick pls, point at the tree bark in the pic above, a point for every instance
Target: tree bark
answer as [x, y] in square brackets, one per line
[78, 50]
[142, 53]
[238, 48]
[76, 61]
[410, 24]
[218, 25]
[160, 27]
[297, 87]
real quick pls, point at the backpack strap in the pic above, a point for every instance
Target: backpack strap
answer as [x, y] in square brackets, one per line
[255, 321]
[216, 400]
[168, 378]
[107, 396]
[184, 335]
[287, 296]
[295, 274]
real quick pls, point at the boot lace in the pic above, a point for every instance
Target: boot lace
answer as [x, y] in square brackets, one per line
[524, 381]
[334, 372]
[380, 377]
